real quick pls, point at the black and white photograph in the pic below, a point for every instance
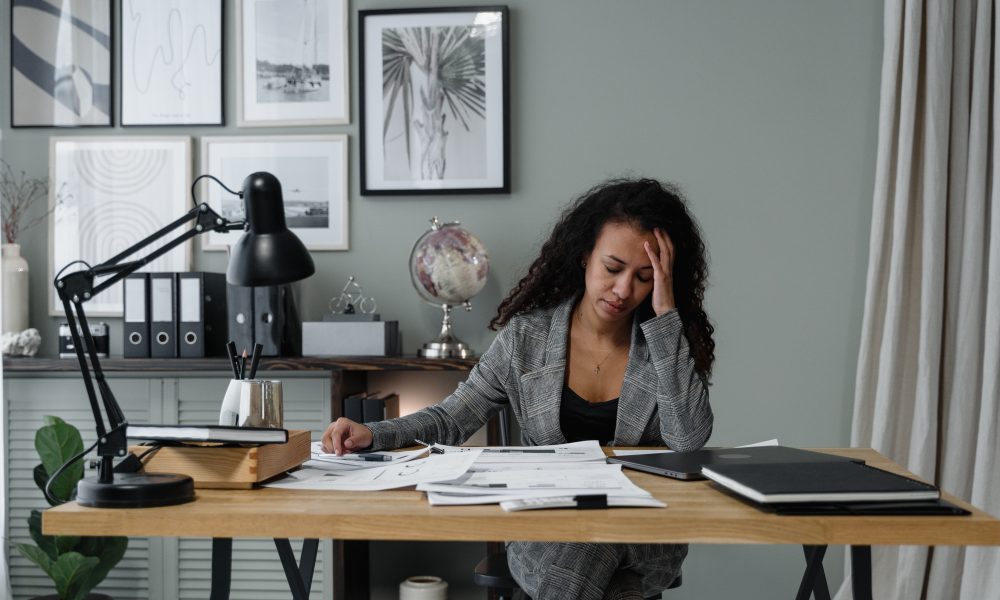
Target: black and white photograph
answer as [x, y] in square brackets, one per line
[113, 191]
[171, 62]
[293, 62]
[434, 115]
[312, 170]
[60, 63]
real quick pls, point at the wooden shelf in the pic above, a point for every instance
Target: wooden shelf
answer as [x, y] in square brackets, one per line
[170, 365]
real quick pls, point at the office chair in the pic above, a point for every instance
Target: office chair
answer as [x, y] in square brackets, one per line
[492, 572]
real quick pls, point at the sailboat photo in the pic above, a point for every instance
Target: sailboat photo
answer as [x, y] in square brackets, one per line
[298, 71]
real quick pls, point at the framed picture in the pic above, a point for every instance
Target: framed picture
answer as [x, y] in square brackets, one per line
[292, 67]
[115, 191]
[60, 63]
[171, 62]
[434, 101]
[312, 170]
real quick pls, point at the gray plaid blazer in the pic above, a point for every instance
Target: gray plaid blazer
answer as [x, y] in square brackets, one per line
[663, 400]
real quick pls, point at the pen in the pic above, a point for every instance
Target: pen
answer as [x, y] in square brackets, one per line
[366, 457]
[231, 347]
[429, 447]
[255, 359]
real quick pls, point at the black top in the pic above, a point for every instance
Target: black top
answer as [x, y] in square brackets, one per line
[581, 420]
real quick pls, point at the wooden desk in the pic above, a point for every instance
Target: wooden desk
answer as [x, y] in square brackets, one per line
[697, 513]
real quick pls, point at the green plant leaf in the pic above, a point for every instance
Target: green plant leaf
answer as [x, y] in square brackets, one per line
[37, 556]
[70, 573]
[108, 550]
[57, 442]
[53, 545]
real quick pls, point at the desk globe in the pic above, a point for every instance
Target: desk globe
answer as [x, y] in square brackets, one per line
[448, 266]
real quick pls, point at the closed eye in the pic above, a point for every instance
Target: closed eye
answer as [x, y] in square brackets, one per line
[640, 278]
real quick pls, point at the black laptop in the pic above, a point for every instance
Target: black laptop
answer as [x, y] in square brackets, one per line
[687, 465]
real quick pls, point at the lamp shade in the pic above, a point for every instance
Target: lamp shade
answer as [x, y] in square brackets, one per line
[267, 253]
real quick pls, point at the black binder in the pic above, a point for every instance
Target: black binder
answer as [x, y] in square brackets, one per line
[239, 300]
[202, 319]
[136, 322]
[277, 326]
[163, 315]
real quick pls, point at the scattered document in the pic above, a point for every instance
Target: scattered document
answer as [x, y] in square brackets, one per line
[440, 467]
[773, 442]
[491, 487]
[571, 502]
[361, 460]
[589, 450]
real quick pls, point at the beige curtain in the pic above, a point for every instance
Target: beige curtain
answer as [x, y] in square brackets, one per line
[928, 381]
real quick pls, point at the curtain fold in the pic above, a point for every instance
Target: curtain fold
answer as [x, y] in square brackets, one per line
[927, 392]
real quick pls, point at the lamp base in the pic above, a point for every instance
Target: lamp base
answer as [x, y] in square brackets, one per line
[136, 490]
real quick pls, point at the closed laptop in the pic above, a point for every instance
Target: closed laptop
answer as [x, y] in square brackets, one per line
[688, 465]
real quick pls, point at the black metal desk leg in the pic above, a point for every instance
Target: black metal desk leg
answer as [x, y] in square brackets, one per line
[814, 573]
[861, 572]
[222, 565]
[299, 579]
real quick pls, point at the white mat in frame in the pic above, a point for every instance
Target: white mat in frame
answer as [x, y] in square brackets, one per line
[312, 170]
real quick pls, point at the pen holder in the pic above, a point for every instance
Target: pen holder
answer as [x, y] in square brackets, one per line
[261, 404]
[230, 412]
[252, 403]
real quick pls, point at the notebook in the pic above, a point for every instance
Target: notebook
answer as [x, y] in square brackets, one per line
[836, 482]
[208, 433]
[688, 465]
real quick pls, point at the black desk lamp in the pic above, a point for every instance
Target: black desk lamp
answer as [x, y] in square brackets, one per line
[267, 254]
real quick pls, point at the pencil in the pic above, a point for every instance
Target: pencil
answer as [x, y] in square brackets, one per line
[243, 365]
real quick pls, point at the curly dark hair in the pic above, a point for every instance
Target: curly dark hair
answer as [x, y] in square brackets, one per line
[557, 274]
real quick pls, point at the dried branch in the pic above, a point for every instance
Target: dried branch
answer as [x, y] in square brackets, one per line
[18, 194]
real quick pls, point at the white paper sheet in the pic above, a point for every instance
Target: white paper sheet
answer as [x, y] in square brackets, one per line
[355, 459]
[439, 467]
[589, 450]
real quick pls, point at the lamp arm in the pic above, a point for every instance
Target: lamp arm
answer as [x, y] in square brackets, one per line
[78, 287]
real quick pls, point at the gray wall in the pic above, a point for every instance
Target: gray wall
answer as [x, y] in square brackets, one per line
[765, 112]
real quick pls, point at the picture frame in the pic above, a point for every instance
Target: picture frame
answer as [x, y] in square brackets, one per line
[312, 170]
[112, 192]
[61, 64]
[285, 49]
[171, 62]
[466, 148]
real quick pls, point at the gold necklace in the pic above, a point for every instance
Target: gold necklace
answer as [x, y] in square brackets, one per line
[597, 366]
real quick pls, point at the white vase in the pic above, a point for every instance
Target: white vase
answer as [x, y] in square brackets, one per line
[15, 290]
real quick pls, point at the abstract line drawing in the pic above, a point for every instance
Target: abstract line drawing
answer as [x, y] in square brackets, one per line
[61, 63]
[124, 189]
[171, 62]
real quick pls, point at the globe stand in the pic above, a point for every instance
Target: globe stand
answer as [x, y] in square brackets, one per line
[446, 345]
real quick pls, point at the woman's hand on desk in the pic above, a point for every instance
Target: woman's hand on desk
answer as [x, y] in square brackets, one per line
[344, 435]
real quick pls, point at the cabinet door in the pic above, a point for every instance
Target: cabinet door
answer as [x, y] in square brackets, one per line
[257, 572]
[28, 400]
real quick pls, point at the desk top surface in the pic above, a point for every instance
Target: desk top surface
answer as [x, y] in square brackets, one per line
[697, 512]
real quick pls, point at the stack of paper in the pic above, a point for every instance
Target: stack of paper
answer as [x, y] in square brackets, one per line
[520, 478]
[404, 469]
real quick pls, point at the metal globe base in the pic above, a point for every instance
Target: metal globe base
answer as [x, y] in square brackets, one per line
[446, 345]
[136, 490]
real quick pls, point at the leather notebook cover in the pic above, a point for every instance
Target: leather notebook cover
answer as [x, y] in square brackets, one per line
[818, 482]
[854, 509]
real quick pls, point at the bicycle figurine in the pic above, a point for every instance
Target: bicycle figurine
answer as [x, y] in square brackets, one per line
[352, 300]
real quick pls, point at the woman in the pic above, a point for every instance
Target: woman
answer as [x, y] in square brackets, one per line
[605, 338]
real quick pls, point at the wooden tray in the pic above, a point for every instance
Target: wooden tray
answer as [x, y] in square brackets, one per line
[227, 467]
